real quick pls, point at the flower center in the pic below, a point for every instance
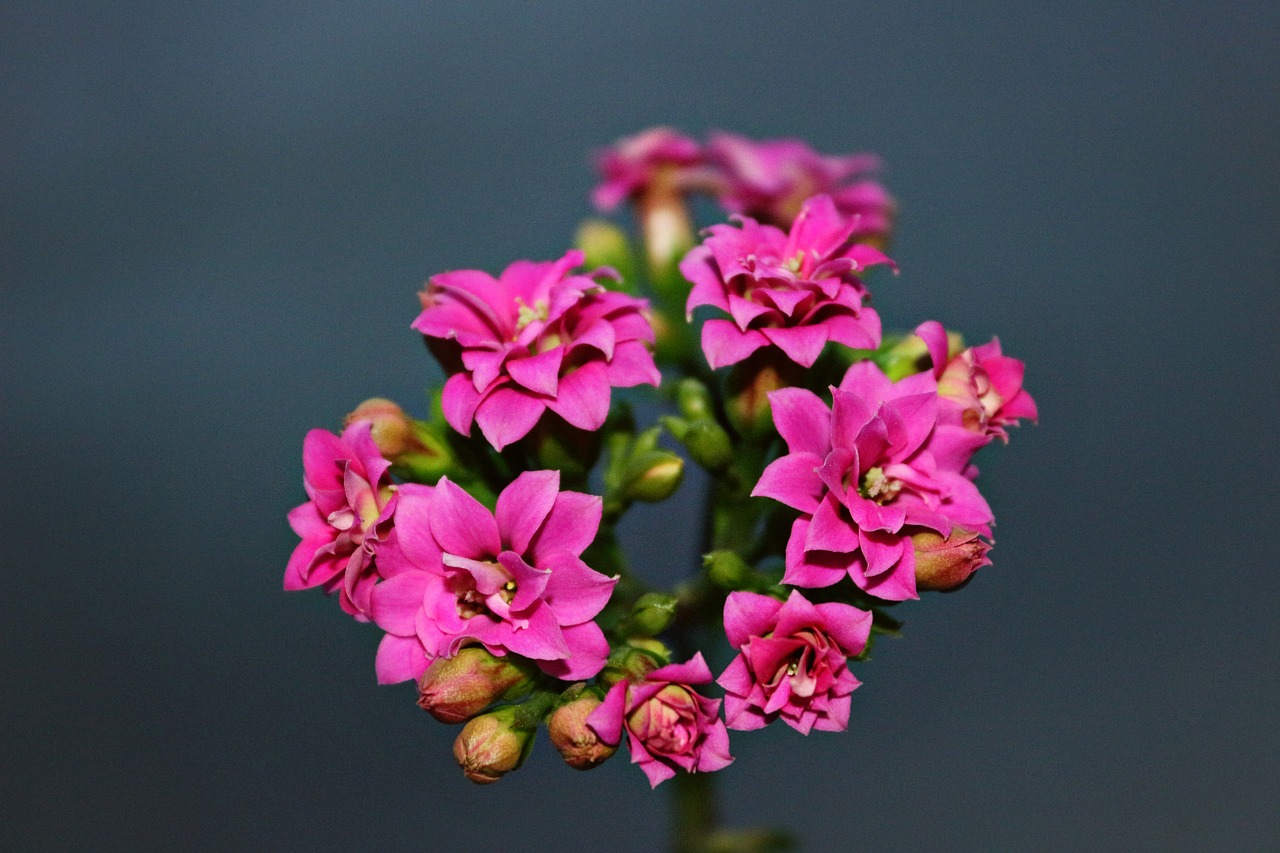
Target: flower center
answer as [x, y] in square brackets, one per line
[473, 601]
[528, 314]
[878, 487]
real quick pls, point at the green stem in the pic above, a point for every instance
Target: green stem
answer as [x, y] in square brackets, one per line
[695, 812]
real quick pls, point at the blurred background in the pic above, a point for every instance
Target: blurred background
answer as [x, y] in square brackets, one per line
[216, 218]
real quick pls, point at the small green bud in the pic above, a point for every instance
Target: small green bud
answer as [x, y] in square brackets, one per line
[693, 399]
[729, 571]
[709, 445]
[606, 245]
[634, 660]
[651, 615]
[653, 476]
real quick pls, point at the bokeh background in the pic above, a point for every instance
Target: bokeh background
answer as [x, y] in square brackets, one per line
[215, 220]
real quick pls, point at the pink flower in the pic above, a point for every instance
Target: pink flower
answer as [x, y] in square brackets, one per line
[867, 473]
[535, 338]
[348, 519]
[669, 725]
[981, 387]
[771, 179]
[658, 155]
[792, 663]
[511, 580]
[795, 290]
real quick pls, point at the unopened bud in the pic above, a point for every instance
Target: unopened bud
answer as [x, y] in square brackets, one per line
[578, 744]
[489, 746]
[653, 476]
[605, 245]
[392, 430]
[633, 661]
[651, 615]
[946, 563]
[693, 399]
[455, 689]
[729, 571]
[750, 382]
[709, 445]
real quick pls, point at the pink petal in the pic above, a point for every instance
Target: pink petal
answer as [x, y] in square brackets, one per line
[792, 480]
[523, 506]
[802, 344]
[507, 415]
[724, 344]
[935, 340]
[693, 671]
[395, 603]
[399, 659]
[539, 373]
[632, 364]
[747, 615]
[802, 419]
[461, 524]
[588, 652]
[459, 401]
[829, 531]
[575, 592]
[606, 719]
[571, 526]
[583, 398]
[860, 331]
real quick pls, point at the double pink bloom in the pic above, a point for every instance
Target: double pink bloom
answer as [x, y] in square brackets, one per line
[669, 725]
[511, 580]
[867, 472]
[533, 339]
[795, 290]
[981, 387]
[766, 179]
[771, 179]
[348, 519]
[792, 664]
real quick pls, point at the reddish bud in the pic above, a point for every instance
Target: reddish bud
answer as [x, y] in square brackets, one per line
[578, 744]
[392, 429]
[455, 689]
[946, 563]
[489, 746]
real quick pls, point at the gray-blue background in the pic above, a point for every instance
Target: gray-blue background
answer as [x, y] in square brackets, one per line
[215, 221]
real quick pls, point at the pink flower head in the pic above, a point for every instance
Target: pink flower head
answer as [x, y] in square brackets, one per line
[867, 473]
[535, 338]
[792, 663]
[635, 163]
[669, 725]
[795, 290]
[347, 520]
[771, 179]
[511, 580]
[981, 388]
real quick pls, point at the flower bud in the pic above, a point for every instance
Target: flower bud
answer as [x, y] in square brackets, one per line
[605, 245]
[653, 476]
[455, 689]
[729, 571]
[392, 431]
[709, 445]
[946, 563]
[651, 615]
[489, 746]
[578, 744]
[693, 399]
[633, 661]
[750, 382]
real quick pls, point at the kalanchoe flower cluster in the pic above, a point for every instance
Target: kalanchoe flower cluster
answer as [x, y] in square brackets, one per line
[840, 455]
